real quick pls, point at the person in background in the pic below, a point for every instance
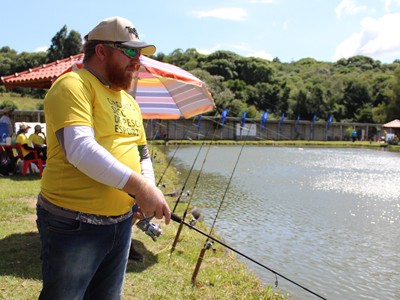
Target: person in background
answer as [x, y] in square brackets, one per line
[26, 144]
[38, 139]
[97, 158]
[354, 135]
[5, 118]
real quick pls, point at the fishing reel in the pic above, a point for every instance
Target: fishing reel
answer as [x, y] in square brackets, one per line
[196, 215]
[149, 228]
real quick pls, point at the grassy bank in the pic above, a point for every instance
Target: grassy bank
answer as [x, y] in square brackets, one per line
[160, 276]
[21, 102]
[291, 143]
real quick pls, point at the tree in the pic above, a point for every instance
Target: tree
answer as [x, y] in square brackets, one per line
[56, 49]
[221, 67]
[356, 94]
[7, 60]
[26, 60]
[253, 70]
[393, 107]
[63, 46]
[73, 44]
[177, 58]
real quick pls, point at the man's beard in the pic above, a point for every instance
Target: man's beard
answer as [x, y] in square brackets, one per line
[119, 78]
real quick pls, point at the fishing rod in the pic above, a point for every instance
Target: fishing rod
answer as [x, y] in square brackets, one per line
[196, 215]
[177, 219]
[191, 169]
[185, 132]
[154, 231]
[207, 244]
[173, 155]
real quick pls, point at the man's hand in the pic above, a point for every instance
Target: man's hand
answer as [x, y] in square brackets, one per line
[149, 198]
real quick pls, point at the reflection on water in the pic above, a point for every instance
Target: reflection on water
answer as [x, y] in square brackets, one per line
[327, 219]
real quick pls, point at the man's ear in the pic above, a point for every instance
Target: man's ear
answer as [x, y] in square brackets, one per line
[101, 52]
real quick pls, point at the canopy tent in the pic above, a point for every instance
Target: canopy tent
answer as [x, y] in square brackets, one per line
[162, 90]
[393, 124]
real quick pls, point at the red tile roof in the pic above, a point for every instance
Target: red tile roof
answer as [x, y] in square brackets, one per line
[43, 76]
[393, 124]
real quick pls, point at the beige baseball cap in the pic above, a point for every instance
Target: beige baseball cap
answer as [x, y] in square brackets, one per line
[119, 30]
[24, 126]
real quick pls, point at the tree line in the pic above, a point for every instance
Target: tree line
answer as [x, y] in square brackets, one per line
[355, 89]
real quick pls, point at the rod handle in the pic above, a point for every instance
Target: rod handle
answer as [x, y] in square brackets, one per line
[176, 218]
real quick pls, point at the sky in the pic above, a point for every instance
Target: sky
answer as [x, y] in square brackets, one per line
[326, 30]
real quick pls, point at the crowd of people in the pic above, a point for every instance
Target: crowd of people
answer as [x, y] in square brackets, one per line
[32, 145]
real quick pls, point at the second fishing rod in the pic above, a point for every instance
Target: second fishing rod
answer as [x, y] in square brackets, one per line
[154, 231]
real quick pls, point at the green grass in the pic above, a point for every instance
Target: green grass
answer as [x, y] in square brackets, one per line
[160, 276]
[21, 103]
[292, 143]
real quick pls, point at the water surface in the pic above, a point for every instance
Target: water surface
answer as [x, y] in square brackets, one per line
[327, 219]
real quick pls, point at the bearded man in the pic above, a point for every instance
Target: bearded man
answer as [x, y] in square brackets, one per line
[97, 159]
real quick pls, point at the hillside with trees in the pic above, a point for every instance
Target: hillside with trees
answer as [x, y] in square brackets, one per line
[356, 89]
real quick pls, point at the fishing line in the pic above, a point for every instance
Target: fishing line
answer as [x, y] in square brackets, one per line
[191, 169]
[186, 131]
[207, 244]
[191, 195]
[173, 155]
[179, 220]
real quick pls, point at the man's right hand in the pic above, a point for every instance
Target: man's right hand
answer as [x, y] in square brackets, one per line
[150, 199]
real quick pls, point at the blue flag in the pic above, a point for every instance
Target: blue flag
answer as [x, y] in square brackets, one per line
[297, 123]
[198, 122]
[282, 120]
[223, 117]
[264, 119]
[313, 120]
[243, 119]
[328, 124]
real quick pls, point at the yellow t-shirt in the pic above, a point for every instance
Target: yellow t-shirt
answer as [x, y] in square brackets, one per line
[23, 139]
[36, 139]
[79, 98]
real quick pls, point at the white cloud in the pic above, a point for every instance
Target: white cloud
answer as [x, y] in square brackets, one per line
[240, 49]
[348, 7]
[389, 3]
[210, 50]
[41, 49]
[377, 38]
[246, 50]
[262, 1]
[285, 25]
[232, 13]
[261, 54]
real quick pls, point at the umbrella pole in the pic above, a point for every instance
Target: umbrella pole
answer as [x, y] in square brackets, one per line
[135, 83]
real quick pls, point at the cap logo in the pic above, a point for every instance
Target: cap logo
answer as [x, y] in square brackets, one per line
[132, 30]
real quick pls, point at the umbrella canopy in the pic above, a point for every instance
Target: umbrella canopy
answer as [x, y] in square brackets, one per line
[393, 124]
[163, 91]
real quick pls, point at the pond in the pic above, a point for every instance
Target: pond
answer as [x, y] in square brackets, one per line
[327, 219]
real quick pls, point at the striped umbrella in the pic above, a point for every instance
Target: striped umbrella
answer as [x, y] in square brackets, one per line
[165, 91]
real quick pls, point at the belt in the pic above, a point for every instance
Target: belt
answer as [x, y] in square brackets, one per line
[76, 215]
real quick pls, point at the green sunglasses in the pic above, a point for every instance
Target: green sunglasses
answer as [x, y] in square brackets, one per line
[130, 52]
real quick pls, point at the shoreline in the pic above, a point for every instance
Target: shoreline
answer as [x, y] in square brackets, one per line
[284, 143]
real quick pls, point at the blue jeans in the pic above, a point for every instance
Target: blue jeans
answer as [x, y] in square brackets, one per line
[80, 260]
